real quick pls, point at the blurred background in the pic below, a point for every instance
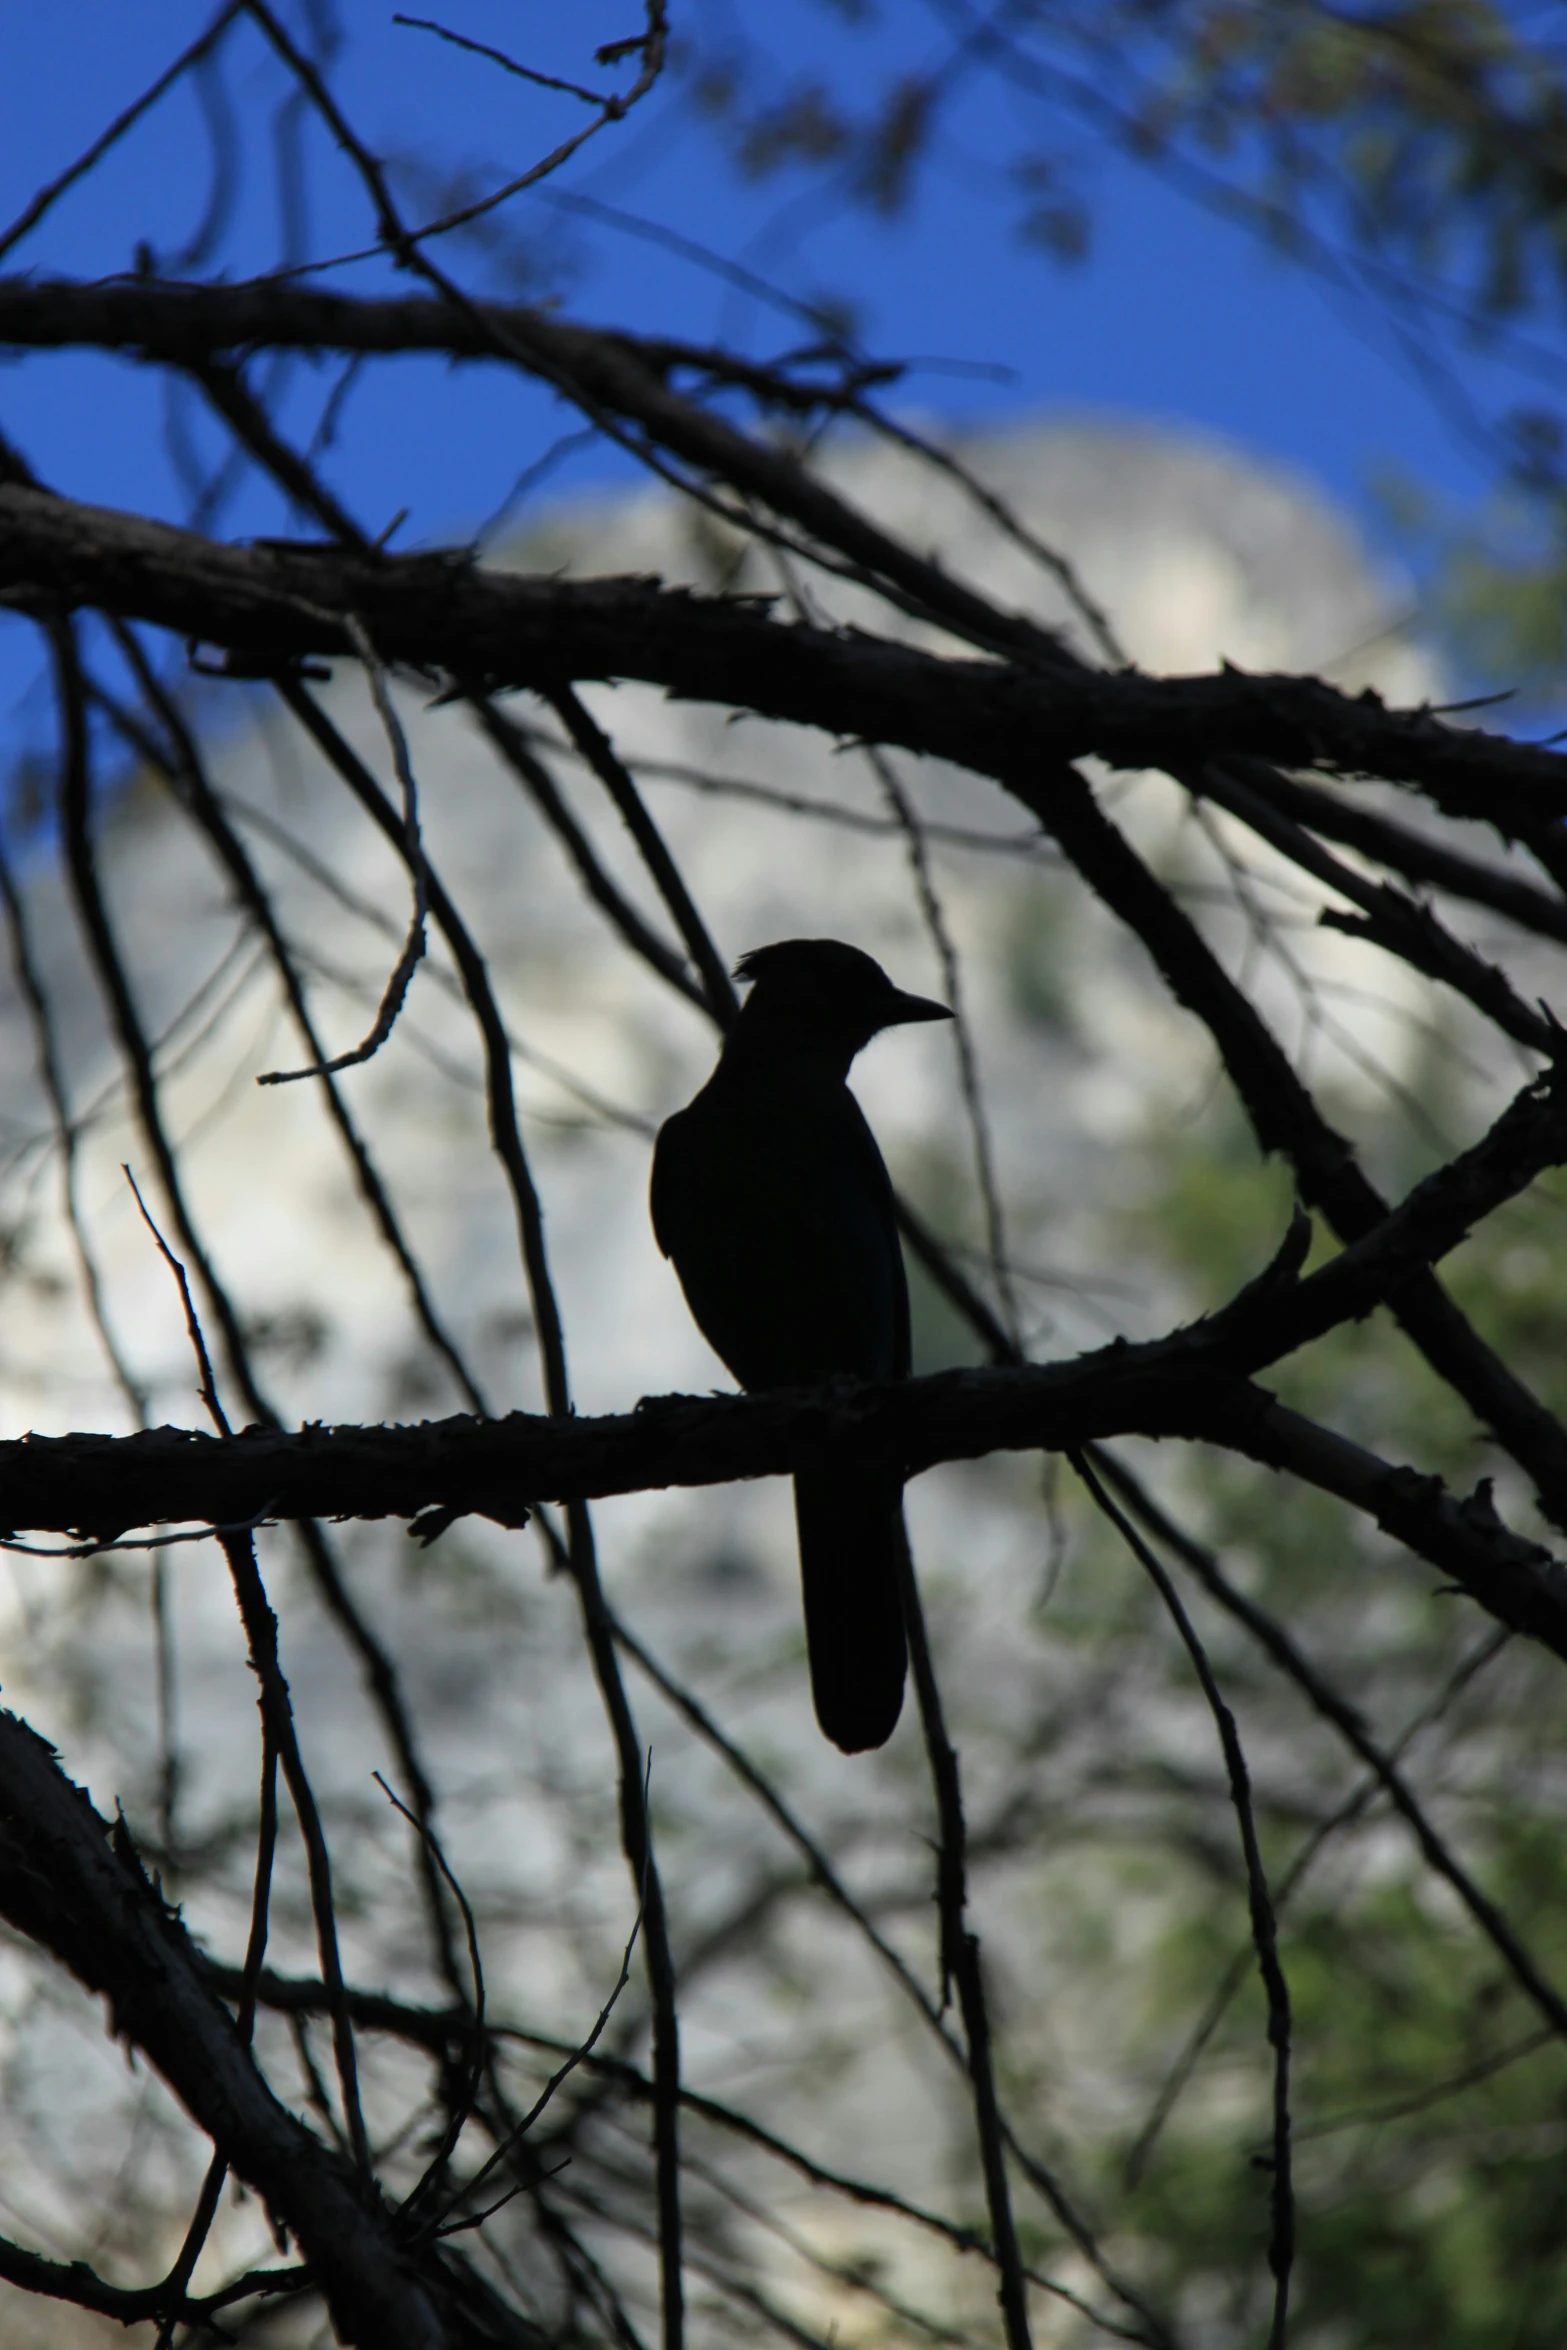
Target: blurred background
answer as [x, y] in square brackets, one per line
[1253, 314]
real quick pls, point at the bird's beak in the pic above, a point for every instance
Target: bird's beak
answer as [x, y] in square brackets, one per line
[901, 1008]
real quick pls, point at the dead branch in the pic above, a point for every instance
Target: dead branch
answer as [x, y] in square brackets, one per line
[271, 605]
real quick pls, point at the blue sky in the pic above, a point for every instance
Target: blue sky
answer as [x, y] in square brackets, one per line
[1174, 316]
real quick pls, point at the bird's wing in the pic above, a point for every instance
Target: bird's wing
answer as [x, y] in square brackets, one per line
[879, 1186]
[777, 1212]
[665, 1189]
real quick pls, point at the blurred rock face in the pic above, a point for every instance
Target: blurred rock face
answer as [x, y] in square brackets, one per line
[1195, 555]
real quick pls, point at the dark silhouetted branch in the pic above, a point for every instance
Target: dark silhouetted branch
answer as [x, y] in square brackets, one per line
[500, 1469]
[961, 1963]
[1286, 1118]
[636, 1825]
[268, 605]
[69, 1881]
[1264, 1923]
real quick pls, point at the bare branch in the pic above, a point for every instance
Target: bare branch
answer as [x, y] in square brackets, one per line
[1285, 1652]
[636, 1825]
[1264, 1924]
[32, 213]
[500, 1469]
[270, 605]
[408, 961]
[960, 1960]
[70, 1881]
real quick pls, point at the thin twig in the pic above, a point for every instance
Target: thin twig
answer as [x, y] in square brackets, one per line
[183, 766]
[761, 1786]
[47, 196]
[153, 1542]
[1353, 1807]
[611, 1113]
[1280, 1646]
[404, 243]
[636, 1828]
[960, 1961]
[1397, 2109]
[935, 919]
[261, 1630]
[1285, 1117]
[562, 2073]
[464, 2104]
[527, 73]
[186, 773]
[438, 2030]
[67, 1136]
[1031, 845]
[1264, 1925]
[178, 2279]
[1056, 565]
[207, 1387]
[413, 854]
[519, 754]
[598, 753]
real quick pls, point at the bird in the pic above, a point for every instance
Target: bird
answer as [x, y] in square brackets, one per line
[773, 1203]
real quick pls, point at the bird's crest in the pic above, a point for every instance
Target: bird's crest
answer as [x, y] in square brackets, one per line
[827, 961]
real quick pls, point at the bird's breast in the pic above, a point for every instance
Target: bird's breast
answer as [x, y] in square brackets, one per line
[771, 1199]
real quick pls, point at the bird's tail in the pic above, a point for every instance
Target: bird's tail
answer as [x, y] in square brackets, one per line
[850, 1527]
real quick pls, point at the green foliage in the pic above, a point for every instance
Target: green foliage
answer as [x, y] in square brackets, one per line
[1417, 151]
[1427, 2097]
[1496, 575]
[1432, 135]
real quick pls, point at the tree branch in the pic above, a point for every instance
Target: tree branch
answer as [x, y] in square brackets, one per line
[500, 1468]
[71, 1882]
[270, 605]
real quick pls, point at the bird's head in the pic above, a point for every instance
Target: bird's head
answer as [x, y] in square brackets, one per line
[829, 992]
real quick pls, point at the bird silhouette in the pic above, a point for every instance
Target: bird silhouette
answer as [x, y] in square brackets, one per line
[771, 1199]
